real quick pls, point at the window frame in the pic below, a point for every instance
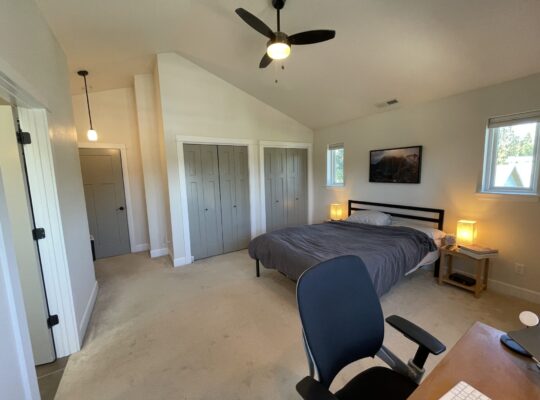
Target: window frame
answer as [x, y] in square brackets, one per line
[490, 155]
[331, 167]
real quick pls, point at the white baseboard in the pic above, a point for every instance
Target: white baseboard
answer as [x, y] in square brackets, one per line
[159, 252]
[509, 289]
[140, 247]
[181, 261]
[83, 325]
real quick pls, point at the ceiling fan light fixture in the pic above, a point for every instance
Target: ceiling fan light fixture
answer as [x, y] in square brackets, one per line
[278, 51]
[92, 135]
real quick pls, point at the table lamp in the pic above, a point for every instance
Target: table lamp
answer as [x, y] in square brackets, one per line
[466, 232]
[336, 212]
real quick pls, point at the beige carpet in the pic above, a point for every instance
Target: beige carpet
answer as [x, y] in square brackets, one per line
[213, 331]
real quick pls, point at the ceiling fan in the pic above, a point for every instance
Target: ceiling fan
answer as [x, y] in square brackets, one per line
[279, 45]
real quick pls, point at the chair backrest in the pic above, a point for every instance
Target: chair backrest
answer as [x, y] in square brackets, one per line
[341, 314]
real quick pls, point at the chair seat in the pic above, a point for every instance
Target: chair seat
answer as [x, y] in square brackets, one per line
[377, 383]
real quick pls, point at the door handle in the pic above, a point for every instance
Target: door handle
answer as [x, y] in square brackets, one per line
[206, 209]
[277, 201]
[234, 206]
[120, 208]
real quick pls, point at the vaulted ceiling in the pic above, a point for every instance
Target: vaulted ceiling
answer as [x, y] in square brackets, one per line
[413, 50]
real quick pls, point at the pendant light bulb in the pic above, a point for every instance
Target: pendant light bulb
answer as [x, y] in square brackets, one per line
[91, 134]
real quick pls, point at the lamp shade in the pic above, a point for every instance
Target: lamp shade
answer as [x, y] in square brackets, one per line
[278, 51]
[336, 212]
[92, 135]
[466, 231]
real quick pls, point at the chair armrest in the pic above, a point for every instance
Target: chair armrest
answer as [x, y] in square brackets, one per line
[416, 334]
[310, 389]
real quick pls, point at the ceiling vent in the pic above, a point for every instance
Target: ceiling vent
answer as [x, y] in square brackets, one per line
[387, 103]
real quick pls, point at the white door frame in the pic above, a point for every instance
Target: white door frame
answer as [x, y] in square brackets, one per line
[285, 145]
[254, 192]
[127, 190]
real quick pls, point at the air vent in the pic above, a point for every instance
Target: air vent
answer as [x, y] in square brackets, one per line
[387, 103]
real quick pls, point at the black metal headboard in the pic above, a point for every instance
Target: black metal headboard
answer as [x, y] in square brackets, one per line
[355, 205]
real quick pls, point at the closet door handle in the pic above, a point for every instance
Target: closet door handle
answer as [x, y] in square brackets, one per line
[206, 209]
[277, 201]
[234, 206]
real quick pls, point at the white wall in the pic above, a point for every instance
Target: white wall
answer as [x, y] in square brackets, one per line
[114, 117]
[154, 180]
[452, 131]
[17, 375]
[196, 103]
[34, 60]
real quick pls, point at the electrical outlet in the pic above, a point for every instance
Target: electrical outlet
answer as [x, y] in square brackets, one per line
[519, 268]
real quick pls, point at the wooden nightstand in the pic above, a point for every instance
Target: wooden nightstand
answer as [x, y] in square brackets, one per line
[481, 263]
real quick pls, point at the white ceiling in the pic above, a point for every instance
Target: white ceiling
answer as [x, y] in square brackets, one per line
[413, 50]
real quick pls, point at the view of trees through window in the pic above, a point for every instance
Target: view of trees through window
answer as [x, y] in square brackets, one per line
[515, 155]
[338, 166]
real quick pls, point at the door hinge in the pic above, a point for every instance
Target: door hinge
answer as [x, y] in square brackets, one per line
[52, 321]
[23, 137]
[38, 233]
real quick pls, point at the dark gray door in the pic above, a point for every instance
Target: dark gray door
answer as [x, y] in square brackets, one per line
[234, 188]
[285, 187]
[105, 201]
[204, 203]
[275, 170]
[296, 187]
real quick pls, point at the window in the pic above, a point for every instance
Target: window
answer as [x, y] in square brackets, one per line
[511, 160]
[335, 172]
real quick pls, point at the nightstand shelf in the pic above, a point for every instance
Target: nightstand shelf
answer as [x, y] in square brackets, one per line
[481, 262]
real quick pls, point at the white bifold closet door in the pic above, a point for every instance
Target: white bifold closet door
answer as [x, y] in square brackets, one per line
[217, 181]
[285, 173]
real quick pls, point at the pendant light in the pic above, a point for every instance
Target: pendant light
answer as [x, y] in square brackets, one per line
[91, 134]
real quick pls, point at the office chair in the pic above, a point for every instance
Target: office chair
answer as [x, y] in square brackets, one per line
[343, 322]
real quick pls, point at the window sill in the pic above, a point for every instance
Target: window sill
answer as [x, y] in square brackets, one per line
[335, 186]
[508, 196]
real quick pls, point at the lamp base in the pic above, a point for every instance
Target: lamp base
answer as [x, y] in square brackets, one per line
[514, 346]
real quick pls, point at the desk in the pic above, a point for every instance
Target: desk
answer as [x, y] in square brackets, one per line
[479, 359]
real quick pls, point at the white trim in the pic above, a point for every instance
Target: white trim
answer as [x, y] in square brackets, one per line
[159, 253]
[253, 185]
[140, 247]
[509, 289]
[88, 311]
[12, 292]
[287, 145]
[127, 188]
[46, 207]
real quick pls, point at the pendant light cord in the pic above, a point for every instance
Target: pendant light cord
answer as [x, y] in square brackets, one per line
[88, 102]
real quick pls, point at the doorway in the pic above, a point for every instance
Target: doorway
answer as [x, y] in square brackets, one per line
[105, 196]
[25, 238]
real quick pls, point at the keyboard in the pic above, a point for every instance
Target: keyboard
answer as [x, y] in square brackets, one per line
[464, 391]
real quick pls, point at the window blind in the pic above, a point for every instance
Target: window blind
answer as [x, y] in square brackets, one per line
[515, 119]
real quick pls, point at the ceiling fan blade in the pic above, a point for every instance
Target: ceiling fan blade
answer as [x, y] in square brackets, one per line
[310, 37]
[265, 61]
[255, 23]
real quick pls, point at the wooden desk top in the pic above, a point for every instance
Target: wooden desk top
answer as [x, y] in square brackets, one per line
[480, 359]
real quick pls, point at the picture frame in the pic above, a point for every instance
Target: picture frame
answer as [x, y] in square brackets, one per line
[395, 165]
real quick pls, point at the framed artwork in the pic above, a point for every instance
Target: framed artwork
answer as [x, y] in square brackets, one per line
[398, 165]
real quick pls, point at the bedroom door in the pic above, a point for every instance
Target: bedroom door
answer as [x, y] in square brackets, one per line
[234, 190]
[204, 202]
[275, 172]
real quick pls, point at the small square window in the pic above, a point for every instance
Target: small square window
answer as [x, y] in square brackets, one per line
[335, 165]
[511, 160]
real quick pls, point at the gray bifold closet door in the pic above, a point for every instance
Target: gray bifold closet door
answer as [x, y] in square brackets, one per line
[285, 173]
[217, 181]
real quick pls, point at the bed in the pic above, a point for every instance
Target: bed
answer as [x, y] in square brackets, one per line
[389, 252]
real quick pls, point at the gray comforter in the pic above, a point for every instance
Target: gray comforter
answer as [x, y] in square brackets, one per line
[389, 252]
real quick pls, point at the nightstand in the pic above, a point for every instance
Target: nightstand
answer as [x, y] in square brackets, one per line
[481, 264]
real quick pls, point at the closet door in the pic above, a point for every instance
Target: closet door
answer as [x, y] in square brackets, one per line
[194, 182]
[296, 187]
[243, 210]
[204, 205]
[228, 197]
[211, 200]
[234, 185]
[275, 170]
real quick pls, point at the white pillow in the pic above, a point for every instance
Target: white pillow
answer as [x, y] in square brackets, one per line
[435, 234]
[370, 217]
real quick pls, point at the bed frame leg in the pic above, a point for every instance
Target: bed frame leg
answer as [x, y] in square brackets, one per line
[437, 267]
[257, 268]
